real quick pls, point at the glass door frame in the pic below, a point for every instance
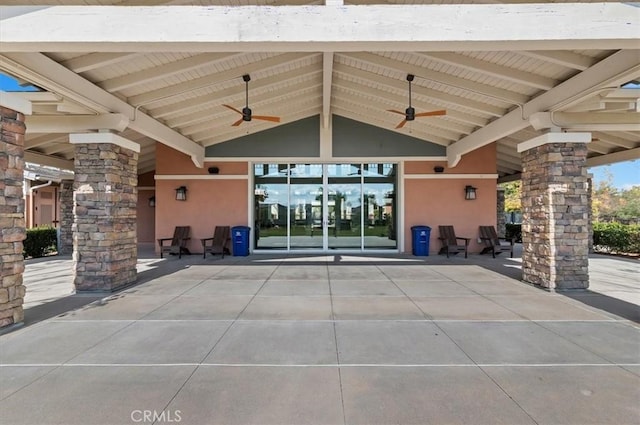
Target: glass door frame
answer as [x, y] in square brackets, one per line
[325, 209]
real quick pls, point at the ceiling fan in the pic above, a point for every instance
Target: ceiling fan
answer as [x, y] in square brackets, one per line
[246, 111]
[410, 112]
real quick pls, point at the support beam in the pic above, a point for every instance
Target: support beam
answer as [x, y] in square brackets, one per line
[617, 69]
[305, 28]
[510, 178]
[75, 123]
[554, 137]
[588, 121]
[51, 161]
[626, 155]
[47, 73]
[327, 78]
[15, 103]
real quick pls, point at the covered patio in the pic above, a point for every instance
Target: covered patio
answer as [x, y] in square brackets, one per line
[329, 340]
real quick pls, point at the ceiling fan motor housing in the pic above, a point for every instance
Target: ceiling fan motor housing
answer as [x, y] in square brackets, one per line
[246, 113]
[410, 114]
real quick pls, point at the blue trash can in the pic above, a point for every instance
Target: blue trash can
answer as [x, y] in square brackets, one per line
[240, 238]
[420, 240]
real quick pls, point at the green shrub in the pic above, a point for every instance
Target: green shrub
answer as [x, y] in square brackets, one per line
[40, 241]
[616, 237]
[514, 231]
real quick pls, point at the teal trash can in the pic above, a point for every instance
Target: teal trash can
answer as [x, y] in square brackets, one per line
[420, 240]
[240, 238]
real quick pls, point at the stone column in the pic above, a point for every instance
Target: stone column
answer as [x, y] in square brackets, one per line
[590, 212]
[105, 197]
[555, 216]
[66, 218]
[501, 222]
[12, 224]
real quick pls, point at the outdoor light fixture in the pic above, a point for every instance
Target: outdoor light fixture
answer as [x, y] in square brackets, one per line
[438, 169]
[181, 193]
[152, 202]
[469, 193]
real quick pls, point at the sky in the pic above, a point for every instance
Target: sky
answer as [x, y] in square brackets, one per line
[625, 174]
[9, 84]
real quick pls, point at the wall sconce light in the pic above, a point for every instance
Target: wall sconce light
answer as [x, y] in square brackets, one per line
[152, 202]
[181, 193]
[438, 169]
[469, 193]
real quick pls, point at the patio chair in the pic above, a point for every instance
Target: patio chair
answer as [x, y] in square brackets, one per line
[492, 242]
[178, 242]
[219, 242]
[450, 243]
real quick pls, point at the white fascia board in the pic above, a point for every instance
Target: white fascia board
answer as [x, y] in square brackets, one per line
[493, 27]
[554, 138]
[612, 71]
[78, 138]
[15, 102]
[75, 123]
[45, 72]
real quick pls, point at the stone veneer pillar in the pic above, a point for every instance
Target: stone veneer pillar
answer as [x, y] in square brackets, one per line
[104, 210]
[590, 212]
[12, 224]
[66, 218]
[555, 216]
[501, 221]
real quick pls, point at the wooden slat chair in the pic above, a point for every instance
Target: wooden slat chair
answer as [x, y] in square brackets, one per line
[450, 243]
[219, 242]
[492, 242]
[178, 242]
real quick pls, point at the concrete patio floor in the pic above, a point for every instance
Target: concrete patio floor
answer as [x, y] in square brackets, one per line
[326, 339]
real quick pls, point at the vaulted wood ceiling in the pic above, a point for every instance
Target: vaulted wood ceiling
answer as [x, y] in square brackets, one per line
[184, 92]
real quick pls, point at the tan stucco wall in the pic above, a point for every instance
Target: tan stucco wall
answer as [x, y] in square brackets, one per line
[210, 203]
[434, 202]
[146, 217]
[223, 201]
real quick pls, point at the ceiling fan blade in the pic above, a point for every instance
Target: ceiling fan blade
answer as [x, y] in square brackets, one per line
[432, 113]
[233, 109]
[395, 112]
[401, 124]
[266, 118]
[237, 123]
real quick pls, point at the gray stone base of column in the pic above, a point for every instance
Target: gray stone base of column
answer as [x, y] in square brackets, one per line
[105, 245]
[12, 224]
[555, 217]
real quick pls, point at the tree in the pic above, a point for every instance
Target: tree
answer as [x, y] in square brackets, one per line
[512, 196]
[629, 203]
